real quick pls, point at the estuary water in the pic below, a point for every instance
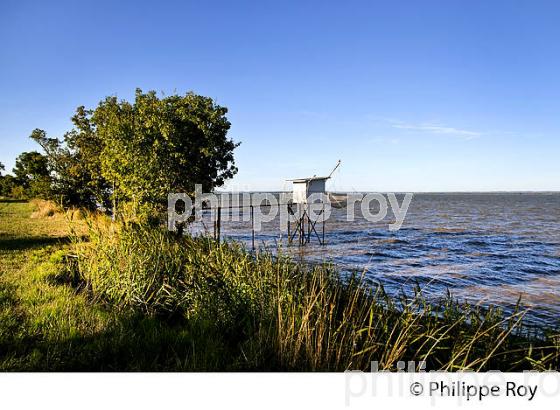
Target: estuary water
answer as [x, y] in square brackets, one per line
[484, 248]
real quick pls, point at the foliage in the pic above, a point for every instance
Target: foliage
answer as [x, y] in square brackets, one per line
[156, 146]
[17, 192]
[269, 313]
[31, 177]
[75, 163]
[140, 152]
[30, 166]
[7, 184]
[241, 312]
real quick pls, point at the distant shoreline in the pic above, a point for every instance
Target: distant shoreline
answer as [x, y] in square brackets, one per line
[404, 192]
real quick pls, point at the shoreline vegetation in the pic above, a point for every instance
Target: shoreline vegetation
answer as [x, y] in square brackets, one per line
[81, 293]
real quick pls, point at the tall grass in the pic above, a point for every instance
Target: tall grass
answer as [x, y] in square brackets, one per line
[265, 312]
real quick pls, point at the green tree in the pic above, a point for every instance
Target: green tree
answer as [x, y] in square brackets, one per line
[2, 181]
[32, 174]
[29, 166]
[7, 183]
[159, 145]
[75, 163]
[139, 152]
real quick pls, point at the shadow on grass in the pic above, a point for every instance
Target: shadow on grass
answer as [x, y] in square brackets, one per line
[18, 243]
[133, 343]
[13, 201]
[136, 342]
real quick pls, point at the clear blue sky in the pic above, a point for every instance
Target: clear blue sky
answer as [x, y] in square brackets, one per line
[410, 95]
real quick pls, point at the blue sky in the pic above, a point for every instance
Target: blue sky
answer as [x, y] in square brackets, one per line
[410, 95]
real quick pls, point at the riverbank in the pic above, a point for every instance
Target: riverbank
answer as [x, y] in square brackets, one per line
[88, 295]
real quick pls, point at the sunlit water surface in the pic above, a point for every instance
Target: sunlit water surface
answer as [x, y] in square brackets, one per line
[490, 249]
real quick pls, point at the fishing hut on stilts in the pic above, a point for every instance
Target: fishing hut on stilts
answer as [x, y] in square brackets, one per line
[301, 208]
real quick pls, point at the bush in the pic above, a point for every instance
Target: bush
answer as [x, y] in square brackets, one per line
[18, 192]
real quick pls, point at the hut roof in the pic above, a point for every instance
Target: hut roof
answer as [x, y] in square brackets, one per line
[307, 179]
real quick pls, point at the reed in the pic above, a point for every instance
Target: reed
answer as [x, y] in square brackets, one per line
[249, 311]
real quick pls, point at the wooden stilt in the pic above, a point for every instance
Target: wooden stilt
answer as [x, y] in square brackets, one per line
[252, 227]
[219, 223]
[289, 232]
[323, 216]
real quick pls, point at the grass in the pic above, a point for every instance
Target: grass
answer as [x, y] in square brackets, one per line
[124, 297]
[46, 324]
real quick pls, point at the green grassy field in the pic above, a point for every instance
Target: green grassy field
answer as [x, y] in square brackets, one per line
[90, 295]
[47, 325]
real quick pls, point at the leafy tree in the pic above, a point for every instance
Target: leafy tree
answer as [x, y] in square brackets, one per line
[32, 174]
[7, 184]
[75, 163]
[29, 166]
[155, 146]
[139, 152]
[3, 190]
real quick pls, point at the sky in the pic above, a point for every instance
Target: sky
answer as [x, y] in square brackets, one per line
[409, 95]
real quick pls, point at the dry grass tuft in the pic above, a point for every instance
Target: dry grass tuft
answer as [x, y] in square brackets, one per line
[44, 208]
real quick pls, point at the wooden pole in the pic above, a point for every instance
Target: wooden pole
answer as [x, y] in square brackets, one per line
[323, 215]
[252, 228]
[219, 221]
[302, 229]
[308, 228]
[289, 230]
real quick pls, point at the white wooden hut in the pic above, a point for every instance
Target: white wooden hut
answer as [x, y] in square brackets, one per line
[304, 187]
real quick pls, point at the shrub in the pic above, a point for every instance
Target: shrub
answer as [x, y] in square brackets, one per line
[18, 192]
